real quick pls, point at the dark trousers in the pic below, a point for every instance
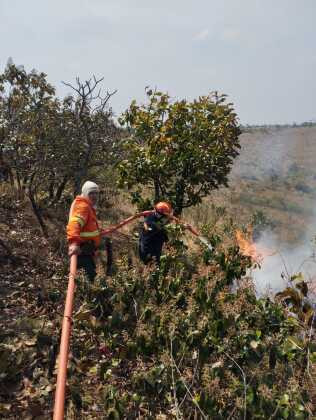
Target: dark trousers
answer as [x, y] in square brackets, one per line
[87, 263]
[147, 255]
[86, 258]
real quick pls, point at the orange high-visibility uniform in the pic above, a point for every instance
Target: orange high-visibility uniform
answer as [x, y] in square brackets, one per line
[83, 225]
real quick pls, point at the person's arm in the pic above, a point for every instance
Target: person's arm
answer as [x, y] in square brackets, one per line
[184, 224]
[112, 229]
[77, 220]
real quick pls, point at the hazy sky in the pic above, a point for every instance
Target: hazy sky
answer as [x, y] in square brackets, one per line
[262, 53]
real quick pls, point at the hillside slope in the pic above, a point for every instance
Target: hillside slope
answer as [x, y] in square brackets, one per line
[274, 178]
[179, 342]
[276, 174]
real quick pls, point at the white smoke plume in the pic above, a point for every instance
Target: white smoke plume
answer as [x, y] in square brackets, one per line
[281, 262]
[285, 156]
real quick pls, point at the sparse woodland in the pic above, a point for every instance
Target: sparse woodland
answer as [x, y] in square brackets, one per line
[188, 340]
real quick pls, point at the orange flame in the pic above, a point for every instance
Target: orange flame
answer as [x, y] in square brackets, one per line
[250, 249]
[247, 246]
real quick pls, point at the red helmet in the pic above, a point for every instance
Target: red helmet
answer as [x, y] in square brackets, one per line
[163, 208]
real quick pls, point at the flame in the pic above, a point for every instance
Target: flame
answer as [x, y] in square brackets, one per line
[247, 246]
[250, 249]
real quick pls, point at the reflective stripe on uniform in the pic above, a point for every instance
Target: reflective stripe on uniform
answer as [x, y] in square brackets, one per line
[89, 234]
[78, 219]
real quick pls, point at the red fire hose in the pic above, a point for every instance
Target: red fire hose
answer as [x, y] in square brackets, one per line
[144, 214]
[126, 221]
[147, 213]
[64, 343]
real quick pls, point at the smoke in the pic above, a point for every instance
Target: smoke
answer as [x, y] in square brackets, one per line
[282, 161]
[271, 155]
[281, 263]
[276, 153]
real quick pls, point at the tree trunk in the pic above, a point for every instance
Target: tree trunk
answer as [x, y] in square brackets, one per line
[80, 176]
[5, 247]
[180, 188]
[11, 177]
[157, 191]
[24, 183]
[35, 207]
[51, 186]
[17, 177]
[60, 190]
[38, 215]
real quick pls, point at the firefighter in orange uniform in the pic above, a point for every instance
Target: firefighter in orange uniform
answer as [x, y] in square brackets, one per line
[83, 232]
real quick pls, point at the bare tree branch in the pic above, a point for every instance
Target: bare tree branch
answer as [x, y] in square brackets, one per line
[86, 95]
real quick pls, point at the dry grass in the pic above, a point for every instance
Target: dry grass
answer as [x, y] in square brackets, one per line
[276, 174]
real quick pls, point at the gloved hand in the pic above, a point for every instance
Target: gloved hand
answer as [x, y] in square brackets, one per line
[186, 226]
[74, 249]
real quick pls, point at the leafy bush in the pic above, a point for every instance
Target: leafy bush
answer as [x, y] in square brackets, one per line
[181, 150]
[187, 343]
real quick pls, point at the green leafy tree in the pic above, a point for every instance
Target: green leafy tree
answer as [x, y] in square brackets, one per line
[181, 150]
[28, 111]
[26, 103]
[47, 144]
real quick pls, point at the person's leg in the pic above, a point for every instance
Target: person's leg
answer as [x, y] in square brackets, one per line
[157, 253]
[142, 254]
[109, 252]
[157, 258]
[87, 263]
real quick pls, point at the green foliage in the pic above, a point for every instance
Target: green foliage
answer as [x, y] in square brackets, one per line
[178, 340]
[186, 341]
[180, 150]
[27, 113]
[47, 144]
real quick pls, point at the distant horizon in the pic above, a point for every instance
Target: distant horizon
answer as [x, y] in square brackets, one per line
[58, 94]
[309, 123]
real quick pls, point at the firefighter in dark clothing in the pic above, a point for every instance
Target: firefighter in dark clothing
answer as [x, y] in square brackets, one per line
[153, 234]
